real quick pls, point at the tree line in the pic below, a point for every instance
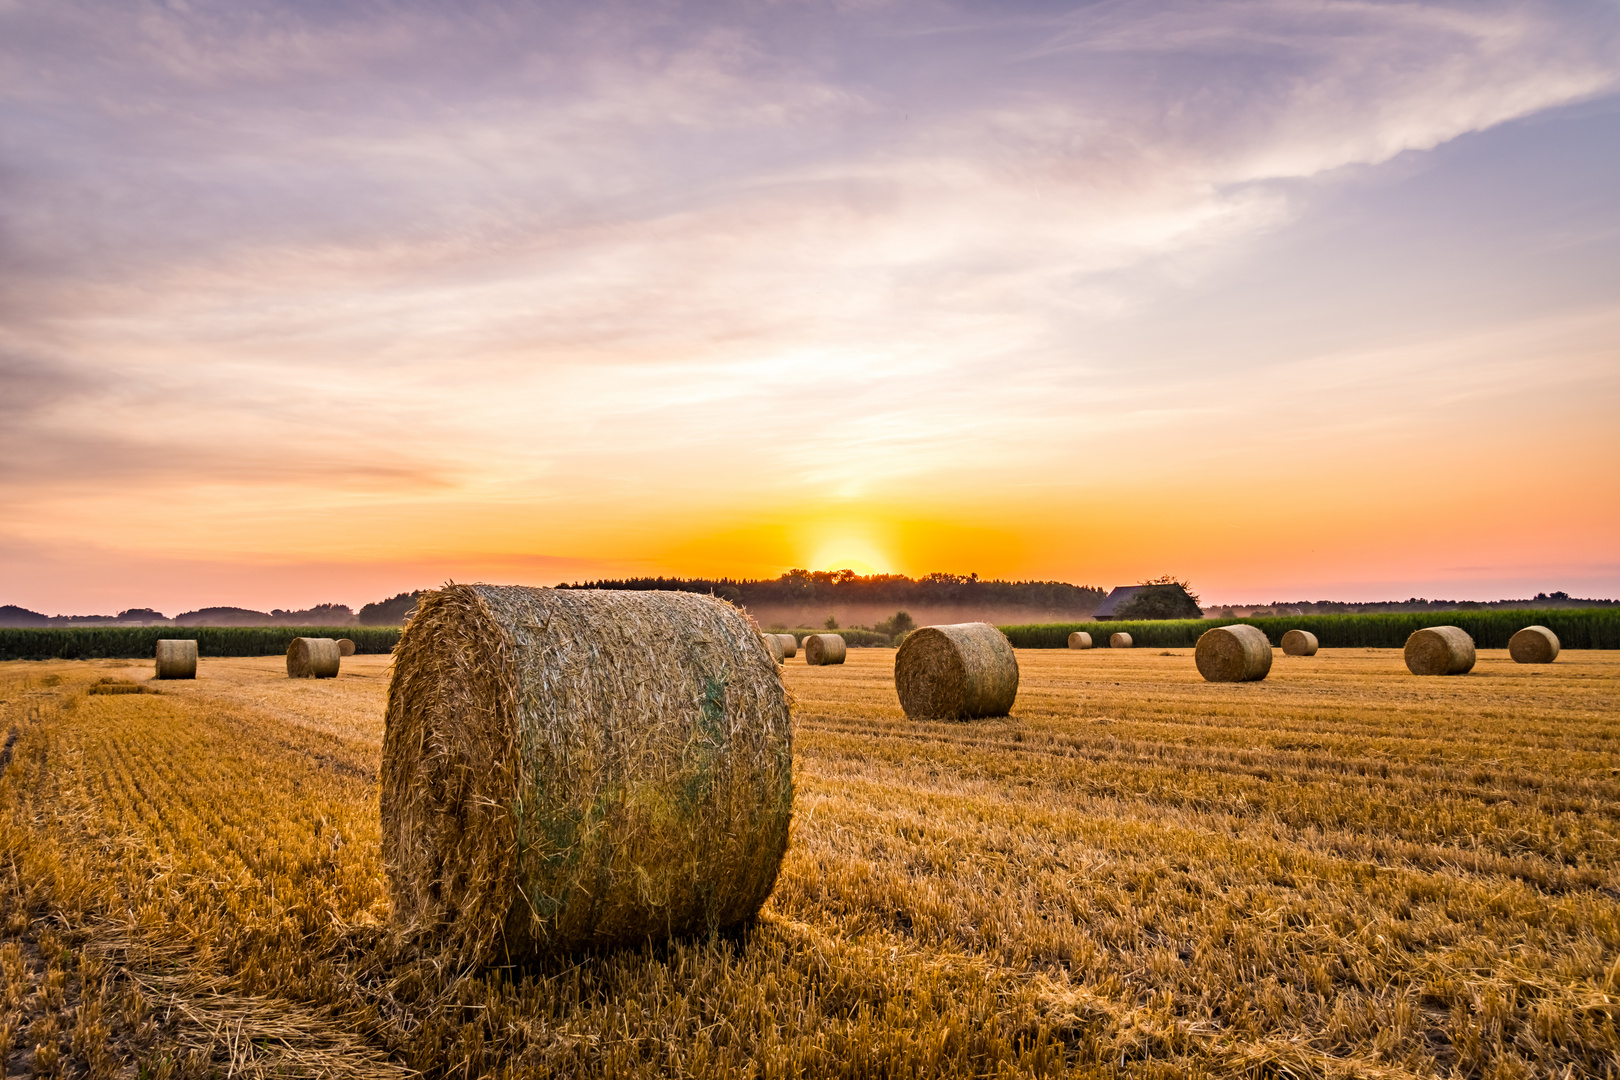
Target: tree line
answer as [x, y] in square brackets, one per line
[847, 587]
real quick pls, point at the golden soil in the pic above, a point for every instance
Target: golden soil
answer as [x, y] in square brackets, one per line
[1343, 870]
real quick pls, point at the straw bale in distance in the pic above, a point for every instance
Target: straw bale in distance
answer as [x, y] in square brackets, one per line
[109, 686]
[176, 658]
[773, 645]
[313, 658]
[573, 768]
[957, 672]
[1079, 640]
[790, 645]
[1440, 650]
[1236, 653]
[345, 647]
[1299, 643]
[824, 649]
[1120, 640]
[1533, 645]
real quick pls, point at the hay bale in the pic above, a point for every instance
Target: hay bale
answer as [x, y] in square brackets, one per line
[1236, 653]
[1119, 641]
[176, 658]
[313, 658]
[345, 647]
[1079, 640]
[1533, 645]
[1440, 650]
[790, 645]
[1299, 643]
[956, 672]
[572, 768]
[824, 649]
[773, 645]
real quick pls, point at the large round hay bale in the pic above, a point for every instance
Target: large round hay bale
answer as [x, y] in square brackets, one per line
[313, 658]
[1533, 645]
[790, 645]
[1299, 643]
[824, 649]
[1236, 653]
[568, 768]
[176, 658]
[773, 645]
[1120, 640]
[1440, 650]
[957, 672]
[1079, 640]
[345, 647]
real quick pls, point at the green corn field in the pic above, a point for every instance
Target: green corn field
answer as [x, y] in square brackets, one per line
[1577, 628]
[137, 642]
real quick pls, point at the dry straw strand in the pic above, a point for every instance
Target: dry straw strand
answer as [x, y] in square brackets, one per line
[313, 658]
[1120, 640]
[824, 649]
[1237, 653]
[1079, 640]
[790, 645]
[574, 768]
[1533, 645]
[1440, 650]
[345, 646]
[1299, 643]
[957, 672]
[176, 658]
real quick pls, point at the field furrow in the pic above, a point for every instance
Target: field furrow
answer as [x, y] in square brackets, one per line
[1340, 871]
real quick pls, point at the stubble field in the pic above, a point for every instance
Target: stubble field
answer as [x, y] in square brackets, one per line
[1343, 870]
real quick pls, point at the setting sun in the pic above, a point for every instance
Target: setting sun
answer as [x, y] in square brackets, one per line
[850, 553]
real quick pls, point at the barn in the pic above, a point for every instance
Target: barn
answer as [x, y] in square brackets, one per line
[1159, 600]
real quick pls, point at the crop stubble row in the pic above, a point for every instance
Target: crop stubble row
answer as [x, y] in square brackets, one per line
[1333, 870]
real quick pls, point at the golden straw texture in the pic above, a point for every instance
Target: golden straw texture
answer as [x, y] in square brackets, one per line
[1237, 653]
[790, 645]
[824, 649]
[574, 768]
[1119, 641]
[313, 658]
[1299, 643]
[176, 658]
[1079, 640]
[957, 672]
[773, 645]
[1533, 645]
[345, 647]
[1440, 650]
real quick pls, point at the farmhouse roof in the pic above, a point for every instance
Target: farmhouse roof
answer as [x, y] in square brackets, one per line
[1121, 595]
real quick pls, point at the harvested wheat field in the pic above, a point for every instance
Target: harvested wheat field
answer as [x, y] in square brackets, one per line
[1343, 870]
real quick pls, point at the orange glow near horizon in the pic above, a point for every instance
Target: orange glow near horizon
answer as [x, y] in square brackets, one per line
[1394, 520]
[852, 545]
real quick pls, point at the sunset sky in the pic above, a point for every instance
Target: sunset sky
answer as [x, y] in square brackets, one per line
[318, 302]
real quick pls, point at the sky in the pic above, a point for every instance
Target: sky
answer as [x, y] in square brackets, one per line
[321, 301]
